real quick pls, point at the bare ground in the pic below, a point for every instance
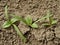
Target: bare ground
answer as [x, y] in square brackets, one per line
[36, 9]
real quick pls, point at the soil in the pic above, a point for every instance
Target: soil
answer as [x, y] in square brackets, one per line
[36, 9]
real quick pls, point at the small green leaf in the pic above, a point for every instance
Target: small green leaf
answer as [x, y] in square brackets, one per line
[14, 19]
[54, 22]
[6, 24]
[6, 12]
[34, 25]
[46, 24]
[48, 15]
[28, 20]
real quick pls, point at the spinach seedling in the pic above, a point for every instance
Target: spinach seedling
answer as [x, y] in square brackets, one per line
[28, 21]
[11, 22]
[51, 21]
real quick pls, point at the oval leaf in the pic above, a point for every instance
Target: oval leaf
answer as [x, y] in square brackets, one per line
[46, 24]
[16, 18]
[54, 22]
[34, 25]
[6, 24]
[28, 20]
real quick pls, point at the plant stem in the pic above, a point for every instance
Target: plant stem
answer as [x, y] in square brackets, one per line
[47, 16]
[40, 19]
[20, 33]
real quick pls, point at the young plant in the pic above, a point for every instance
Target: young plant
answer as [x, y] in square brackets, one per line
[51, 21]
[28, 21]
[11, 22]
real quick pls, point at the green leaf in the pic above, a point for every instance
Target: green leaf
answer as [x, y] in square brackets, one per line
[48, 15]
[54, 22]
[6, 12]
[6, 24]
[46, 24]
[19, 33]
[34, 25]
[14, 19]
[28, 20]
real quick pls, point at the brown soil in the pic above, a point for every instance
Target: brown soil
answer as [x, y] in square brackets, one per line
[36, 9]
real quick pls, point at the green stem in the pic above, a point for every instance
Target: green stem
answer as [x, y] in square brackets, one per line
[19, 33]
[47, 16]
[40, 19]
